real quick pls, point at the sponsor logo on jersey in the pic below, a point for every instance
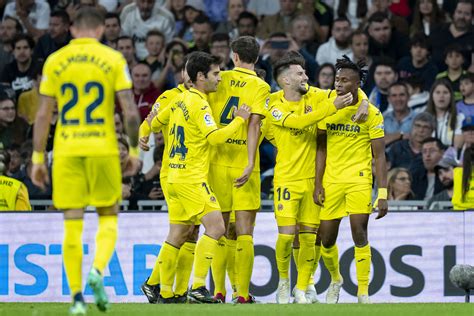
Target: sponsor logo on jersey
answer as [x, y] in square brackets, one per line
[277, 115]
[343, 127]
[208, 120]
[236, 141]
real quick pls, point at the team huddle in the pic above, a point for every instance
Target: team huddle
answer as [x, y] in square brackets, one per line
[212, 124]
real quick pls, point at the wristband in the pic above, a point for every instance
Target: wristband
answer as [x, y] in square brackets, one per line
[382, 194]
[37, 158]
[133, 152]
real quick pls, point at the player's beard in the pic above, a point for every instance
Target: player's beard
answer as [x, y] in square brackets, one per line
[302, 89]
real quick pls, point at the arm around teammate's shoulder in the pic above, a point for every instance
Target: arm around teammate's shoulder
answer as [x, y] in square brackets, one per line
[220, 135]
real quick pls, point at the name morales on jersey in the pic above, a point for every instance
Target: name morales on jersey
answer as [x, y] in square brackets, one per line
[182, 106]
[236, 141]
[83, 58]
[237, 83]
[343, 127]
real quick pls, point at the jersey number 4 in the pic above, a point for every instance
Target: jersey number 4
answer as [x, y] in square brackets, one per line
[89, 87]
[228, 112]
[177, 146]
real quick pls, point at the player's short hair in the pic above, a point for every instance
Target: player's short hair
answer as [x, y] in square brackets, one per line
[24, 37]
[200, 62]
[290, 58]
[359, 67]
[247, 48]
[88, 18]
[62, 15]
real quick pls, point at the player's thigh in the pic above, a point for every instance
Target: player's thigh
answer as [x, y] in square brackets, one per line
[246, 197]
[176, 211]
[104, 178]
[334, 206]
[221, 185]
[197, 200]
[309, 212]
[287, 199]
[164, 187]
[359, 199]
[70, 190]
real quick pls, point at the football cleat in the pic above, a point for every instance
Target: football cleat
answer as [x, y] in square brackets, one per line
[332, 296]
[220, 296]
[311, 294]
[151, 292]
[201, 296]
[283, 292]
[96, 283]
[300, 297]
[78, 306]
[363, 299]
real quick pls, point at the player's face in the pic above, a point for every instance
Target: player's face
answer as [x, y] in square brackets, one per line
[346, 81]
[441, 97]
[213, 79]
[22, 51]
[297, 79]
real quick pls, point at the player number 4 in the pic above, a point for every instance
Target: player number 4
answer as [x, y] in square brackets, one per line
[227, 113]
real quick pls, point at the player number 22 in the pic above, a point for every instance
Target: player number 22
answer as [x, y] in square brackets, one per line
[89, 87]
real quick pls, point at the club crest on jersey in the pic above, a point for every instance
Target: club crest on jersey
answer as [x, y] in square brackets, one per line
[381, 126]
[308, 109]
[277, 115]
[213, 199]
[280, 207]
[156, 107]
[208, 120]
[267, 101]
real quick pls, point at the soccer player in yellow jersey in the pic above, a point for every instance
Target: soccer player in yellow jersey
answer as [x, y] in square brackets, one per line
[344, 178]
[192, 130]
[294, 112]
[83, 78]
[234, 173]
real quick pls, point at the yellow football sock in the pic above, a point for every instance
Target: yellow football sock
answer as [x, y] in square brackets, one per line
[283, 254]
[244, 263]
[72, 254]
[184, 267]
[363, 257]
[296, 256]
[205, 251]
[167, 261]
[105, 241]
[154, 278]
[331, 260]
[230, 253]
[305, 259]
[218, 266]
[317, 256]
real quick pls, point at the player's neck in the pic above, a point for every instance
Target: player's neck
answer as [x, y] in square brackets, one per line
[199, 88]
[355, 98]
[245, 66]
[291, 95]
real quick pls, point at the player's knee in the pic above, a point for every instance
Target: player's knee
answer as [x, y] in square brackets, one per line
[328, 241]
[359, 237]
[193, 234]
[231, 233]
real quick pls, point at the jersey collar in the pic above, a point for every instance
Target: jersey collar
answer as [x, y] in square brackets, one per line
[199, 93]
[181, 87]
[84, 40]
[245, 70]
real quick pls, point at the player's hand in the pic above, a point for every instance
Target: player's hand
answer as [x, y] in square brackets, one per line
[343, 100]
[143, 143]
[40, 176]
[362, 112]
[319, 195]
[126, 191]
[240, 181]
[382, 206]
[243, 111]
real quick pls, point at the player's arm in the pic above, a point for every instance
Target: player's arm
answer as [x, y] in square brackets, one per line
[378, 148]
[22, 199]
[321, 153]
[40, 176]
[217, 136]
[155, 126]
[363, 111]
[132, 118]
[253, 136]
[292, 120]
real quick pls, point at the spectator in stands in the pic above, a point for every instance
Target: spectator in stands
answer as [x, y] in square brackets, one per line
[399, 185]
[385, 41]
[407, 151]
[216, 10]
[247, 25]
[418, 96]
[142, 16]
[360, 47]
[171, 74]
[112, 29]
[34, 15]
[384, 75]
[303, 32]
[148, 185]
[263, 8]
[468, 138]
[441, 105]
[466, 105]
[323, 14]
[220, 47]
[13, 129]
[57, 37]
[154, 44]
[20, 73]
[426, 16]
[28, 101]
[444, 172]
[176, 7]
[279, 22]
[126, 46]
[9, 29]
[144, 90]
[338, 44]
[418, 63]
[325, 76]
[14, 166]
[202, 32]
[130, 168]
[397, 22]
[355, 11]
[425, 183]
[454, 59]
[399, 119]
[234, 9]
[459, 32]
[192, 10]
[13, 193]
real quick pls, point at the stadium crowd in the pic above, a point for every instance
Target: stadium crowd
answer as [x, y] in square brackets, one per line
[421, 73]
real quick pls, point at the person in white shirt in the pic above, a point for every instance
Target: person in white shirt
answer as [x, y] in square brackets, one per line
[33, 15]
[338, 44]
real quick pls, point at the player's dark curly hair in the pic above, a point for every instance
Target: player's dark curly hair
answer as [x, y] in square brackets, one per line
[359, 67]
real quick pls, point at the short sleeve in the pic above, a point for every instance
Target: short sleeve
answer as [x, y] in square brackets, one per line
[376, 127]
[277, 114]
[47, 85]
[204, 120]
[122, 75]
[262, 98]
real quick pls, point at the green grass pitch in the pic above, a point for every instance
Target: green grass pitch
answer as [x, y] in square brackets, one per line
[455, 309]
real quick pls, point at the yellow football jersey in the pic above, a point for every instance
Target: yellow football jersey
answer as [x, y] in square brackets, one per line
[238, 86]
[161, 103]
[83, 78]
[458, 202]
[296, 147]
[349, 151]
